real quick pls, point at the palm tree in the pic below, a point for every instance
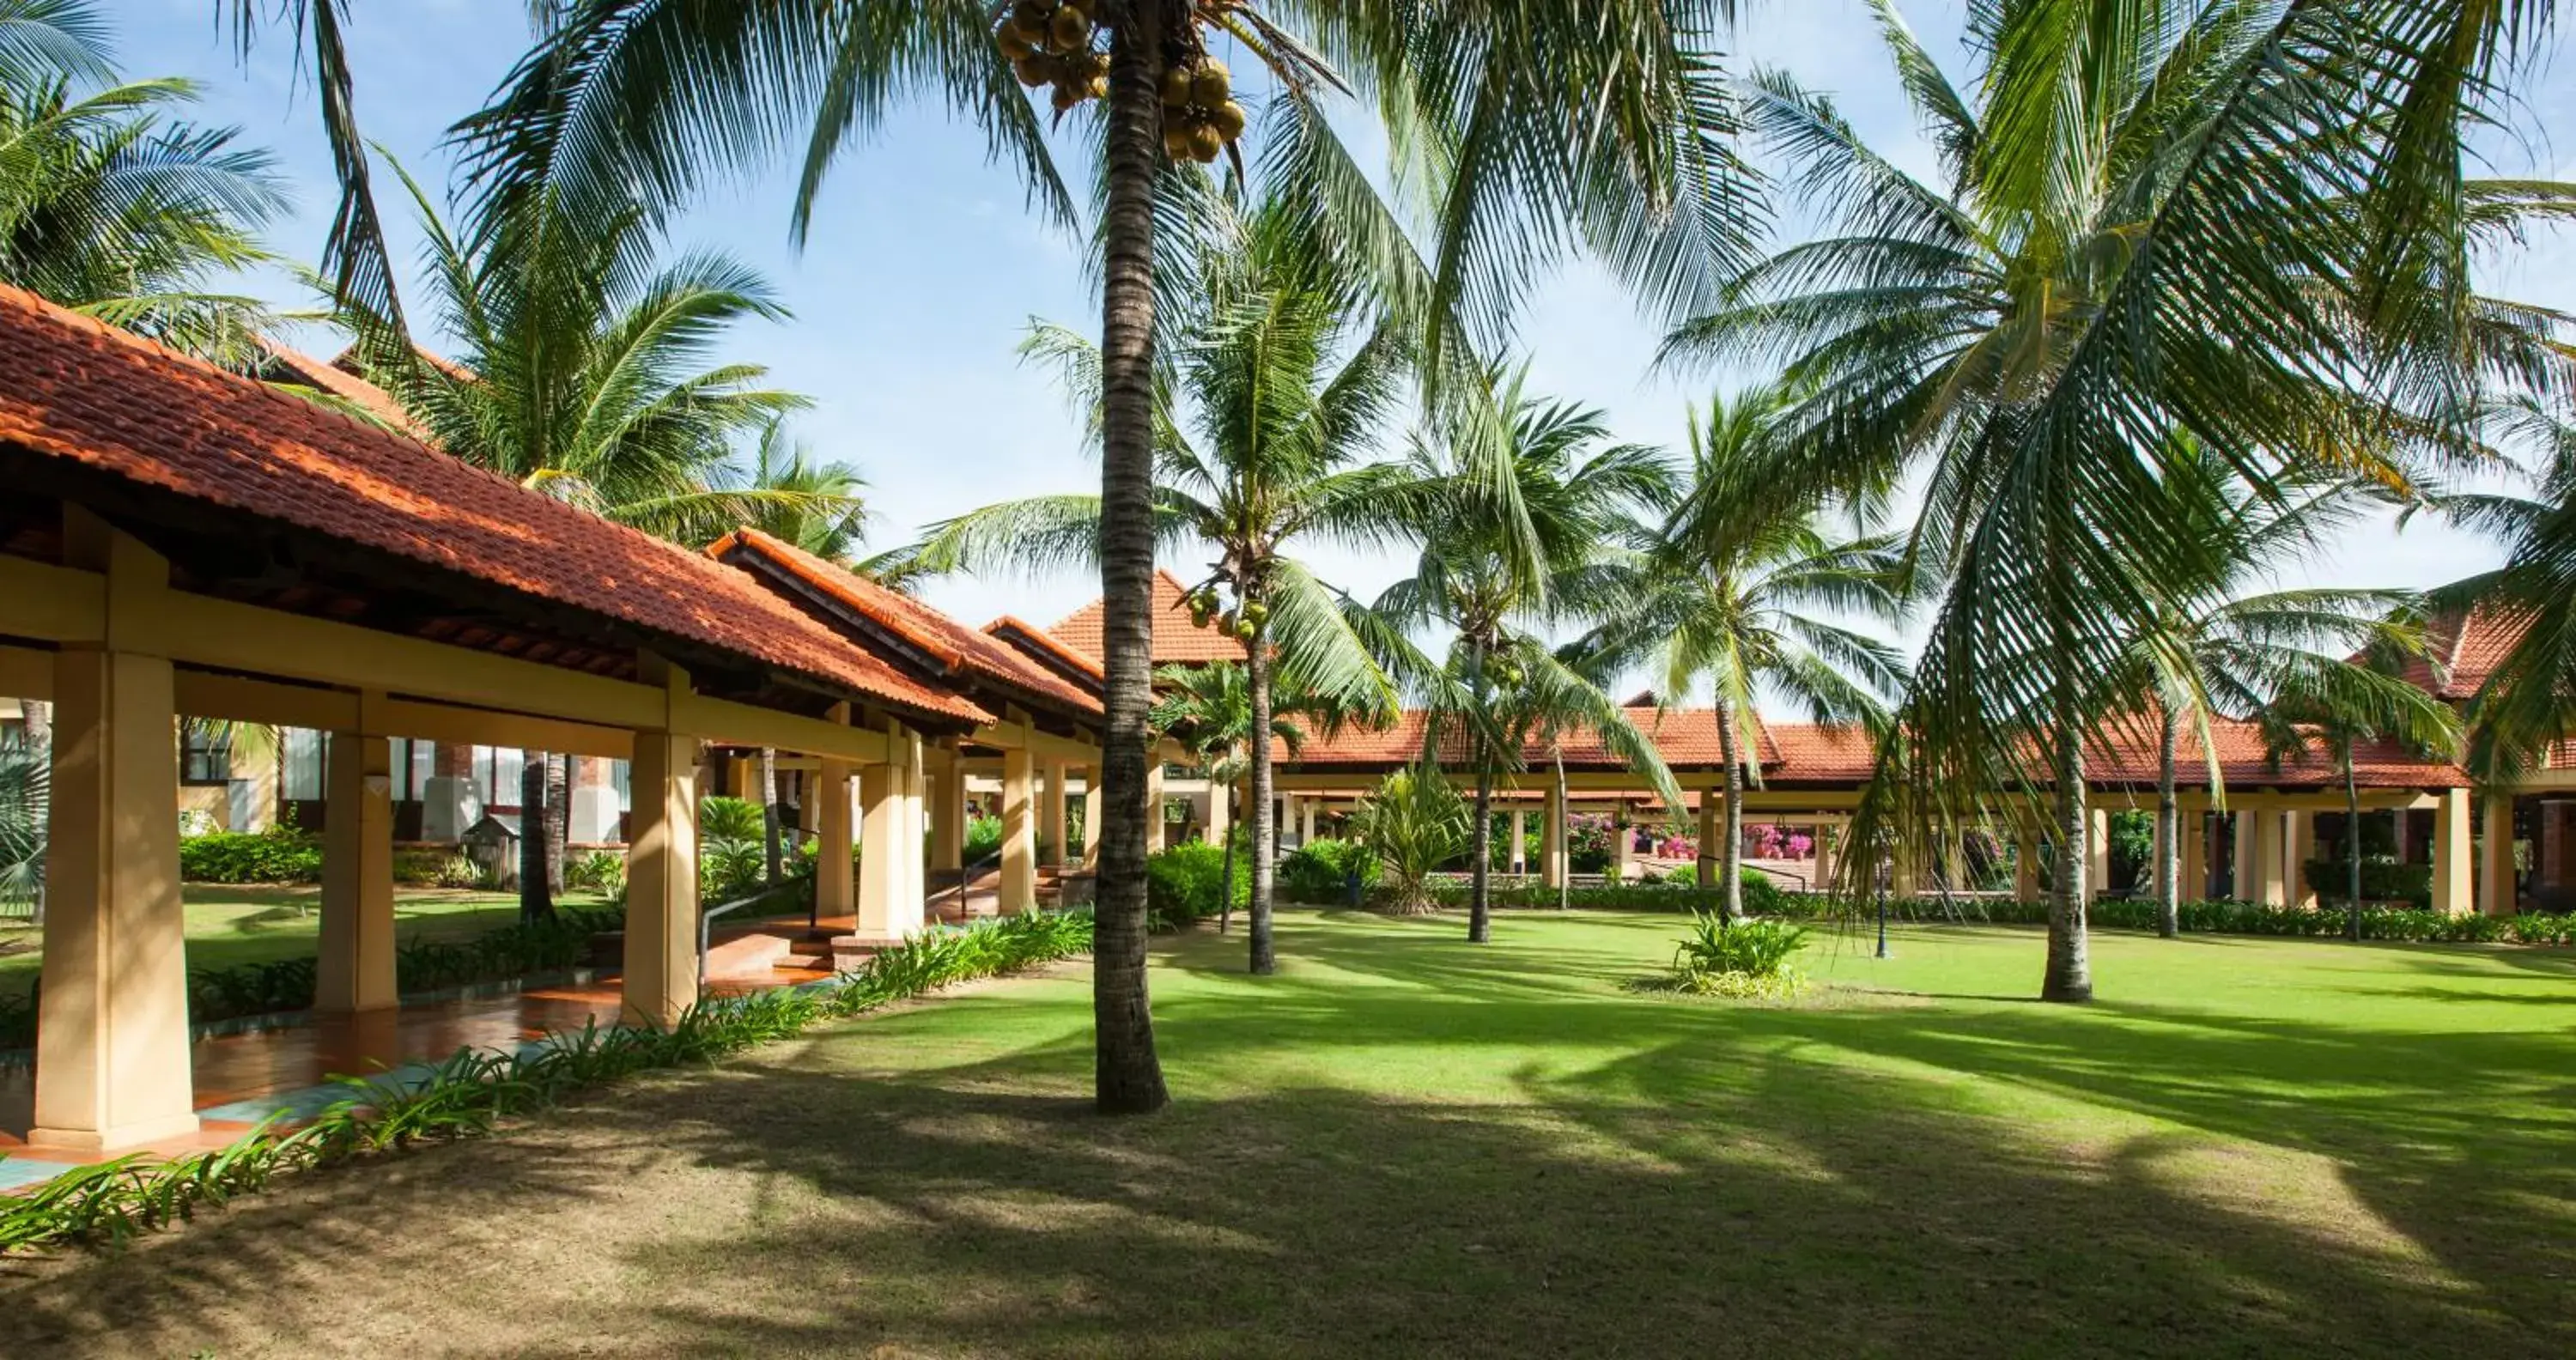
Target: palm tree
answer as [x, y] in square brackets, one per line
[1540, 126]
[1497, 565]
[1727, 595]
[2243, 222]
[2528, 701]
[1210, 709]
[2215, 647]
[109, 205]
[1414, 823]
[1278, 378]
[26, 782]
[582, 372]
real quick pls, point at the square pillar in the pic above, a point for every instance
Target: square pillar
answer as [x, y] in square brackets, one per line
[2247, 868]
[1051, 813]
[1823, 876]
[835, 891]
[1519, 857]
[1712, 857]
[354, 970]
[1019, 888]
[2026, 869]
[1623, 839]
[890, 860]
[1090, 814]
[1552, 857]
[2298, 846]
[661, 978]
[947, 814]
[1306, 824]
[2259, 850]
[112, 1059]
[2451, 868]
[913, 861]
[2195, 856]
[2097, 853]
[1154, 822]
[2496, 895]
[1220, 812]
[2553, 844]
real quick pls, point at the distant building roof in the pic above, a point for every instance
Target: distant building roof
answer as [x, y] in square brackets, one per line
[1176, 639]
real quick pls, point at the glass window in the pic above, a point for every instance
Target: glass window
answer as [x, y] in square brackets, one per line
[205, 752]
[302, 759]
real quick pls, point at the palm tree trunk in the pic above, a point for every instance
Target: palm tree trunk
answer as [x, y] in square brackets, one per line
[1225, 887]
[536, 901]
[769, 828]
[1127, 1077]
[1480, 853]
[2168, 836]
[2351, 849]
[1564, 830]
[1256, 667]
[1730, 871]
[558, 821]
[2070, 964]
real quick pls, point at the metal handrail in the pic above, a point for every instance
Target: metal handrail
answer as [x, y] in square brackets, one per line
[707, 919]
[966, 875]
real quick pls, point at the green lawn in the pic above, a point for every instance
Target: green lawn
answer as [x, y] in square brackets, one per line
[1404, 1145]
[234, 925]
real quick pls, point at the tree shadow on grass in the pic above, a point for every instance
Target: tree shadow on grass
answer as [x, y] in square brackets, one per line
[1634, 1178]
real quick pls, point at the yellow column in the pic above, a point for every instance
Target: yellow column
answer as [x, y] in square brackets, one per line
[662, 868]
[354, 969]
[2451, 868]
[1306, 814]
[2496, 896]
[1823, 874]
[112, 1060]
[2194, 827]
[1154, 802]
[948, 814]
[2298, 846]
[1552, 837]
[1905, 875]
[1622, 841]
[2262, 836]
[2026, 869]
[2097, 853]
[1220, 811]
[834, 893]
[1712, 856]
[1519, 857]
[912, 863]
[1090, 813]
[1019, 889]
[1051, 823]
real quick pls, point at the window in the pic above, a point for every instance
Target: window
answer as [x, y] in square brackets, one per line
[303, 760]
[496, 769]
[205, 752]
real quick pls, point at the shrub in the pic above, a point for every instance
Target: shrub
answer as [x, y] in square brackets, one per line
[1588, 845]
[730, 869]
[983, 838]
[2382, 880]
[600, 871]
[281, 855]
[438, 869]
[1320, 871]
[469, 1094]
[1183, 885]
[1415, 823]
[1741, 958]
[730, 819]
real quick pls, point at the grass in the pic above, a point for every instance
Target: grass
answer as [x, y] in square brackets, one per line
[230, 925]
[1403, 1145]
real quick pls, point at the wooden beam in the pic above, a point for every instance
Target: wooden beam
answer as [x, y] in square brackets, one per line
[52, 604]
[733, 724]
[26, 673]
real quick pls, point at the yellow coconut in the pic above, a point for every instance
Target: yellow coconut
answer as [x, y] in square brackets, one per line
[1209, 84]
[1176, 141]
[1034, 70]
[1176, 87]
[1099, 87]
[1015, 45]
[1229, 119]
[1067, 97]
[1205, 143]
[1071, 30]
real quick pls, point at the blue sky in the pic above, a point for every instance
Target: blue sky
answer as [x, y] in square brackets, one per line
[924, 268]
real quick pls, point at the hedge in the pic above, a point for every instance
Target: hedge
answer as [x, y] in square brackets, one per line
[1182, 884]
[1320, 871]
[472, 1092]
[2381, 880]
[282, 855]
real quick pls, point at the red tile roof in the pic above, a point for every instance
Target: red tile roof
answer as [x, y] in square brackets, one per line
[957, 649]
[2466, 650]
[1805, 755]
[1175, 638]
[121, 405]
[303, 369]
[1029, 637]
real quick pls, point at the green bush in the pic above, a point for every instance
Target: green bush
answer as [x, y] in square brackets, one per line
[439, 869]
[983, 838]
[281, 855]
[1320, 870]
[600, 871]
[1739, 958]
[729, 819]
[2382, 880]
[731, 869]
[472, 1092]
[1182, 884]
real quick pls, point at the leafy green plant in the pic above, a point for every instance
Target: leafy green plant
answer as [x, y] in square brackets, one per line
[1319, 871]
[730, 869]
[1415, 823]
[1183, 885]
[437, 869]
[601, 871]
[729, 819]
[278, 855]
[1739, 958]
[983, 838]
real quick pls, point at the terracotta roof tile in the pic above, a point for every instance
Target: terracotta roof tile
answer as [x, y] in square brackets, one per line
[1176, 639]
[124, 406]
[956, 648]
[1029, 637]
[303, 369]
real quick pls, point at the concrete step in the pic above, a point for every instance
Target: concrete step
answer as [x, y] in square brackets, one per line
[752, 953]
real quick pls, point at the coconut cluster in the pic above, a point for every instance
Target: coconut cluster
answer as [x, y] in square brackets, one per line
[1200, 117]
[1049, 43]
[1243, 623]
